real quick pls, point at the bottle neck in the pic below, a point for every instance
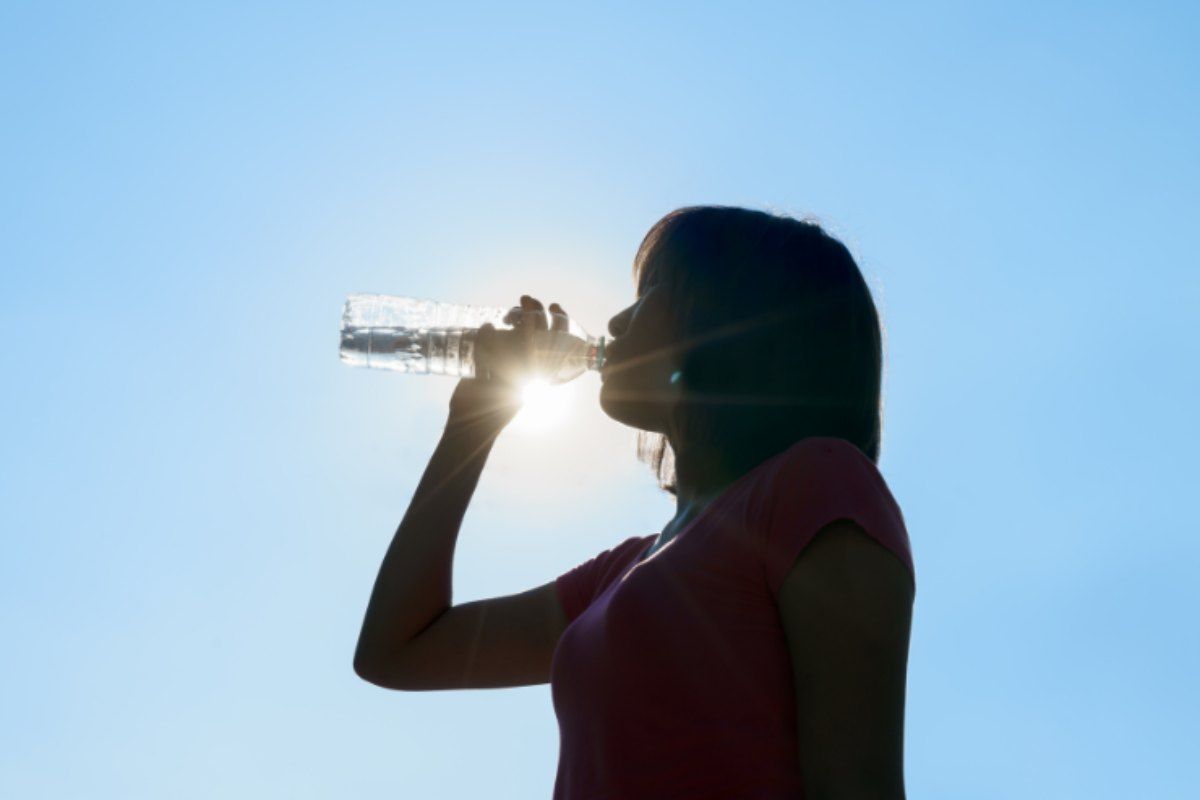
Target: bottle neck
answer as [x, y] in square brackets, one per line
[597, 352]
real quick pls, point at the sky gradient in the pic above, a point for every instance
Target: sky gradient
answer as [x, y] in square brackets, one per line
[196, 493]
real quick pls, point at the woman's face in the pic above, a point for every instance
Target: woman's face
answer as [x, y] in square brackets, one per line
[636, 386]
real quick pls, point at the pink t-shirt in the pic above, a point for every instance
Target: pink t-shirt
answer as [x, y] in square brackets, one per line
[673, 679]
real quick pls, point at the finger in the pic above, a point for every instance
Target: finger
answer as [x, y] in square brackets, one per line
[535, 315]
[559, 321]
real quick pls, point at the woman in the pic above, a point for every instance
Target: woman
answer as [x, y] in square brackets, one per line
[757, 646]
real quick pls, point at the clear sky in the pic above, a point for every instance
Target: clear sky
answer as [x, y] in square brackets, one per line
[196, 494]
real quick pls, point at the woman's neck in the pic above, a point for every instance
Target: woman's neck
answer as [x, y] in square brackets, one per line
[701, 475]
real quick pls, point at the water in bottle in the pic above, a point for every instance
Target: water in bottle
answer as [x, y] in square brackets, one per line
[426, 337]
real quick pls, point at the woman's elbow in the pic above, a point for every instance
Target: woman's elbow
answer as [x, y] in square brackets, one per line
[372, 668]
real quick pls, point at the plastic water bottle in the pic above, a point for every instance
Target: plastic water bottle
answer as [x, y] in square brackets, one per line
[426, 337]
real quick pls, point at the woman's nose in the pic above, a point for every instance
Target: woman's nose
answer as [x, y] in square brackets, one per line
[617, 325]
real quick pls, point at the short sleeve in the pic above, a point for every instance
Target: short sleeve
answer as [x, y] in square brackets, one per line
[819, 481]
[579, 586]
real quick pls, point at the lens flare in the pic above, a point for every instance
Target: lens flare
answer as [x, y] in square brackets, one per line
[542, 406]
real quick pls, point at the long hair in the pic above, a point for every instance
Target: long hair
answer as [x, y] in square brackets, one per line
[778, 333]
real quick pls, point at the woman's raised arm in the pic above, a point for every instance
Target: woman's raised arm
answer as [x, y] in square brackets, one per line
[412, 638]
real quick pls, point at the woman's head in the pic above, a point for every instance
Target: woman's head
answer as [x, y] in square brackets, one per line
[750, 332]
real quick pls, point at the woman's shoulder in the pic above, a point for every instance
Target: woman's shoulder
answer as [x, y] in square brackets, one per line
[818, 481]
[822, 456]
[827, 471]
[825, 446]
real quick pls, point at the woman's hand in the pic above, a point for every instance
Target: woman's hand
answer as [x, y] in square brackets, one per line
[505, 361]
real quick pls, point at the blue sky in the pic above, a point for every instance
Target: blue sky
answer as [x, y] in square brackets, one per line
[196, 494]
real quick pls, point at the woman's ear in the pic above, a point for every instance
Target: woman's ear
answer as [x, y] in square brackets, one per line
[676, 388]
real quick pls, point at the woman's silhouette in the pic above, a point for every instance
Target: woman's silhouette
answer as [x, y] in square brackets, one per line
[757, 646]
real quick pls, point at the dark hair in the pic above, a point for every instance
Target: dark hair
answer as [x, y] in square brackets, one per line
[780, 336]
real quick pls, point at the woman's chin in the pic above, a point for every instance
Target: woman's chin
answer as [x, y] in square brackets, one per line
[635, 413]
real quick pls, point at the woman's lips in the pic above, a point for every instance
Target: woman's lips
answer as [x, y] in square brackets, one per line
[604, 371]
[608, 360]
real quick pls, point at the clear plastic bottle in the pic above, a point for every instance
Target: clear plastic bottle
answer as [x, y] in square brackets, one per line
[426, 337]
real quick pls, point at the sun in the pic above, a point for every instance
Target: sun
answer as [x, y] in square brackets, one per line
[542, 406]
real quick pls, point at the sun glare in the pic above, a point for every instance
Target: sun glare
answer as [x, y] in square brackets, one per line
[542, 406]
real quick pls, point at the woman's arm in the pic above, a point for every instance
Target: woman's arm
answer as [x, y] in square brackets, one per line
[413, 587]
[846, 608]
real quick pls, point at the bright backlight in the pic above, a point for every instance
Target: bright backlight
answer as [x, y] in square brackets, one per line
[542, 406]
